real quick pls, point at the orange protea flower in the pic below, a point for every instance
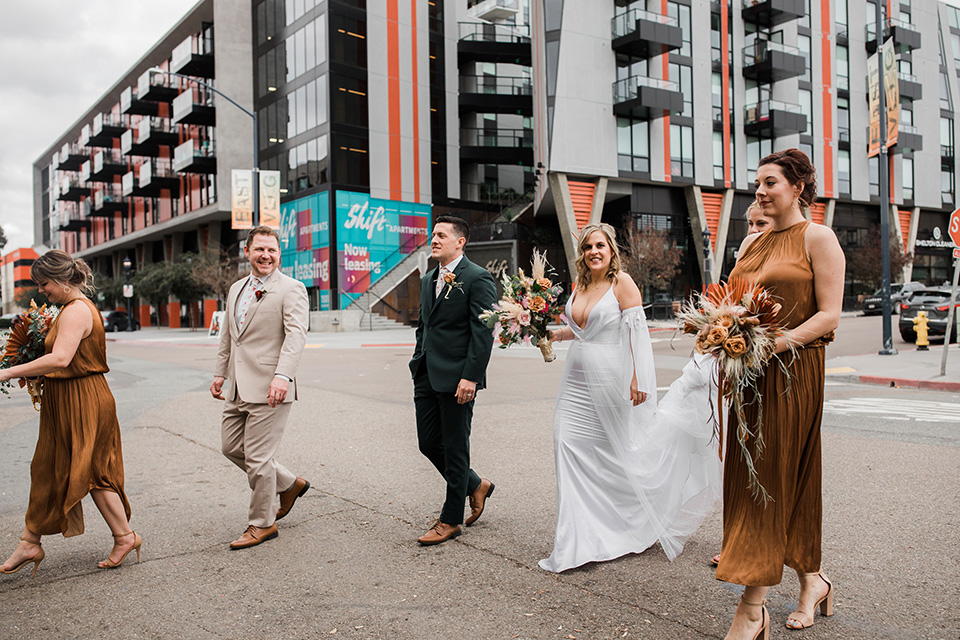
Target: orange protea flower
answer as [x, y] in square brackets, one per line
[449, 278]
[537, 304]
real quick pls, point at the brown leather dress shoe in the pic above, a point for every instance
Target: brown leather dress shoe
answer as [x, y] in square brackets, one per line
[288, 497]
[439, 532]
[477, 499]
[254, 536]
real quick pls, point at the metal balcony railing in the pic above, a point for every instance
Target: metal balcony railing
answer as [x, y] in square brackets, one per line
[486, 32]
[628, 88]
[888, 24]
[497, 85]
[500, 138]
[760, 50]
[761, 111]
[626, 22]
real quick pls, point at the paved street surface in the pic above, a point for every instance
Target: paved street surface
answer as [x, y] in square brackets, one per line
[346, 564]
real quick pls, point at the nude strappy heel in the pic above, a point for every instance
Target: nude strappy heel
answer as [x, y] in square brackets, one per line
[36, 560]
[137, 541]
[764, 632]
[825, 603]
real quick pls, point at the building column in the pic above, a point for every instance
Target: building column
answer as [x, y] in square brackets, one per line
[719, 248]
[911, 242]
[828, 212]
[566, 218]
[698, 222]
[596, 211]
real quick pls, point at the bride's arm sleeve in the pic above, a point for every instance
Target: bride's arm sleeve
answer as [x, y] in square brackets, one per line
[637, 354]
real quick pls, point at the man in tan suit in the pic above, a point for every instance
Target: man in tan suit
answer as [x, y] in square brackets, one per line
[260, 349]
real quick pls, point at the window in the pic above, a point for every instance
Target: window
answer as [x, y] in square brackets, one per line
[843, 68]
[633, 145]
[946, 184]
[806, 107]
[841, 13]
[681, 151]
[872, 167]
[803, 43]
[843, 170]
[683, 76]
[681, 13]
[945, 102]
[908, 178]
[843, 119]
[946, 137]
[757, 148]
[718, 155]
[955, 39]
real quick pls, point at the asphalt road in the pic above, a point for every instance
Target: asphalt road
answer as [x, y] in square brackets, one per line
[346, 564]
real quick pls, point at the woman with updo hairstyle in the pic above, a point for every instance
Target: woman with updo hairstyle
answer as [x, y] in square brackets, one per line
[78, 449]
[779, 522]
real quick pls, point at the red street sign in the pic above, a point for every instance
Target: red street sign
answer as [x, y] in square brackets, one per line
[954, 227]
[956, 252]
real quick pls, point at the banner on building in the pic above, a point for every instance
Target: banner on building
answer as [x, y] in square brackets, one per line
[305, 243]
[269, 196]
[241, 199]
[374, 236]
[891, 88]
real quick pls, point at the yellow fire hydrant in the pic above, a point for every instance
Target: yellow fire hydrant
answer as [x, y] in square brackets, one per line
[920, 328]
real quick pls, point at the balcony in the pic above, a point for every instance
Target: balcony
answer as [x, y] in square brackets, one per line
[772, 119]
[72, 188]
[767, 62]
[159, 132]
[107, 202]
[946, 153]
[194, 106]
[484, 42]
[130, 104]
[769, 13]
[129, 186]
[908, 137]
[71, 157]
[496, 94]
[106, 128]
[194, 156]
[156, 175]
[106, 165]
[71, 218]
[910, 86]
[645, 98]
[194, 56]
[493, 10]
[905, 35]
[497, 146]
[642, 34]
[130, 145]
[158, 87]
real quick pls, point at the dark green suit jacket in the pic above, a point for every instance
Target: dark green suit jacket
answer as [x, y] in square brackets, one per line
[451, 339]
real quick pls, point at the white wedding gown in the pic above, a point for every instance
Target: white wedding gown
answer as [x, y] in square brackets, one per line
[628, 476]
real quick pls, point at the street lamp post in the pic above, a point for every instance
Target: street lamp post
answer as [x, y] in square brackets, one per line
[252, 114]
[888, 348]
[126, 271]
[706, 257]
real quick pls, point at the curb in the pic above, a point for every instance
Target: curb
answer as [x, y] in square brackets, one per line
[934, 385]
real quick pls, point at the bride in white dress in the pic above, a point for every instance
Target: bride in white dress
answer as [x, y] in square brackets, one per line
[629, 474]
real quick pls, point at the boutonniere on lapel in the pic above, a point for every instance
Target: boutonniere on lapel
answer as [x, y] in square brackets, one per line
[452, 283]
[259, 294]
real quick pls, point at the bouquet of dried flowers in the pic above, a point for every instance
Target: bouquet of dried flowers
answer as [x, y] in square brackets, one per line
[24, 343]
[526, 308]
[737, 323]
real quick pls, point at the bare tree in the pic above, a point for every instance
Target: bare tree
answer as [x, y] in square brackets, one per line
[864, 263]
[217, 271]
[651, 257]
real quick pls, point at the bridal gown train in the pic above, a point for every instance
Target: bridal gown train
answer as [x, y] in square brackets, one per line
[628, 476]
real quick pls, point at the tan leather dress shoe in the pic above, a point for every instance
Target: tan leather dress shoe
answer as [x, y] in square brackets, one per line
[439, 532]
[477, 499]
[288, 497]
[254, 536]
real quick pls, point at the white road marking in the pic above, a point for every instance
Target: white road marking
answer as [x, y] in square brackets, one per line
[896, 409]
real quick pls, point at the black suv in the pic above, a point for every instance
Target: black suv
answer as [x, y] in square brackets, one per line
[898, 293]
[117, 321]
[936, 302]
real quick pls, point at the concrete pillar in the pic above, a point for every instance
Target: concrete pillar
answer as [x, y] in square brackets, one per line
[911, 242]
[698, 222]
[566, 218]
[596, 211]
[723, 228]
[828, 212]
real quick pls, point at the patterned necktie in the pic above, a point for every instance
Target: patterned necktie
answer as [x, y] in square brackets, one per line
[246, 299]
[440, 281]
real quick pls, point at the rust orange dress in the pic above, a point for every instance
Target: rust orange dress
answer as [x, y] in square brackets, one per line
[759, 539]
[79, 443]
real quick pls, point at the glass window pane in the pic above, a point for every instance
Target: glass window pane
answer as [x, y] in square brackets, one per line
[641, 144]
[623, 137]
[291, 71]
[322, 99]
[321, 29]
[310, 42]
[311, 91]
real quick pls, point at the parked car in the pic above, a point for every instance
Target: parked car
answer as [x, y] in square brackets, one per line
[936, 302]
[117, 321]
[7, 319]
[898, 294]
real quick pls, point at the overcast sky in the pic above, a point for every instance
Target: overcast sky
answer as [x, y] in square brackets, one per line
[58, 57]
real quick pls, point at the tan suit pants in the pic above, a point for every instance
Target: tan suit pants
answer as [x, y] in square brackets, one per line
[251, 435]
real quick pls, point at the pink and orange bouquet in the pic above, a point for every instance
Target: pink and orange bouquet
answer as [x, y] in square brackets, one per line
[526, 308]
[738, 324]
[24, 343]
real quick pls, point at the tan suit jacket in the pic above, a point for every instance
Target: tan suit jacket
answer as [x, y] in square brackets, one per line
[270, 343]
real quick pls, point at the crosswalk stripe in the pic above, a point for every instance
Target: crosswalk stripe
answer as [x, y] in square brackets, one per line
[897, 409]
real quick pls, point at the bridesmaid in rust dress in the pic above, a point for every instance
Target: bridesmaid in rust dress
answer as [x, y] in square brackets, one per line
[78, 450]
[803, 265]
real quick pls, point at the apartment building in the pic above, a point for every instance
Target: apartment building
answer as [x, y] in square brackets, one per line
[529, 117]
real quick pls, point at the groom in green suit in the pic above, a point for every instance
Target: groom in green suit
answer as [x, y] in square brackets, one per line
[449, 366]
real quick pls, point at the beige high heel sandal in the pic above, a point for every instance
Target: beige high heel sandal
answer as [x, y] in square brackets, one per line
[36, 560]
[137, 541]
[764, 632]
[825, 603]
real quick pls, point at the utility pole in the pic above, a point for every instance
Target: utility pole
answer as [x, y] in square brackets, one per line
[884, 168]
